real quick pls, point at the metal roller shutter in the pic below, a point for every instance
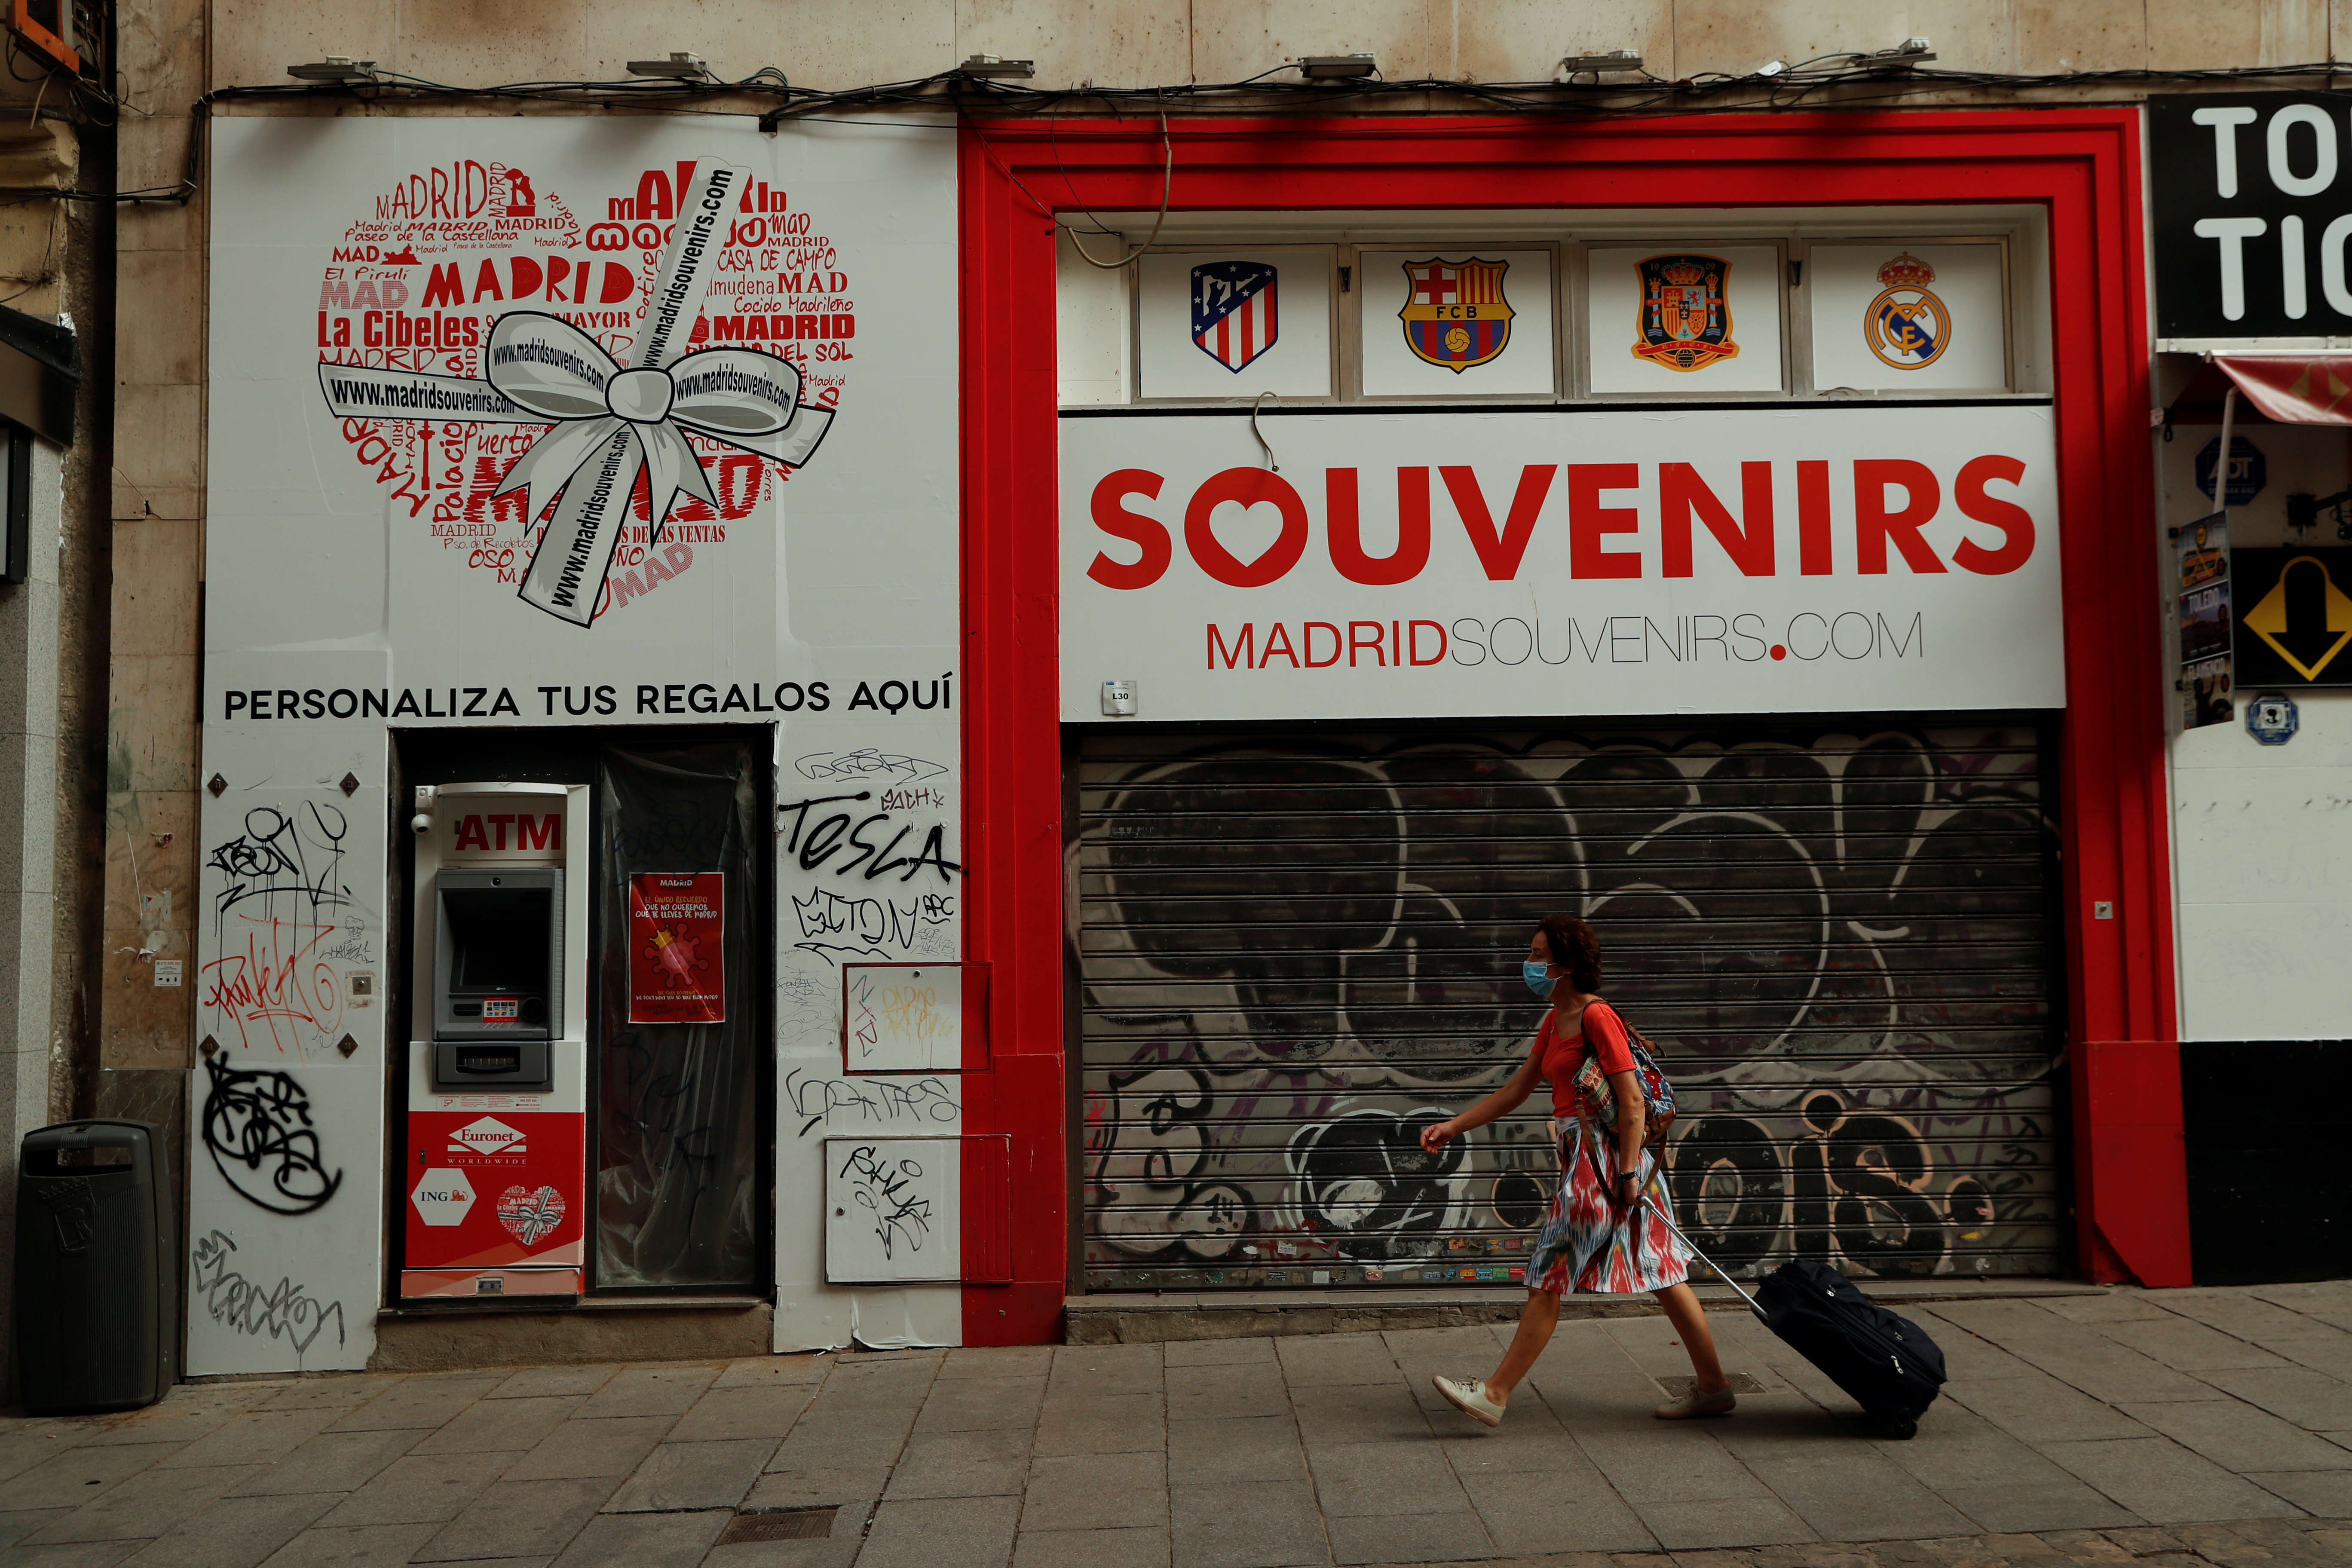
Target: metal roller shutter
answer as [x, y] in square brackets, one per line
[1298, 951]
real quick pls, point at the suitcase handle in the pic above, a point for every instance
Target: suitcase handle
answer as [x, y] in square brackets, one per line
[1643, 1197]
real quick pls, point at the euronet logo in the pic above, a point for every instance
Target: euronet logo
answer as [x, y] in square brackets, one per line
[487, 1136]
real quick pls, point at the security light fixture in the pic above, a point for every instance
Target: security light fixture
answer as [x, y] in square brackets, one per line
[1909, 52]
[991, 67]
[1614, 60]
[334, 68]
[680, 64]
[1333, 67]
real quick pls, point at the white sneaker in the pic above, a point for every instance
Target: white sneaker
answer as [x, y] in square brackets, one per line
[1470, 1398]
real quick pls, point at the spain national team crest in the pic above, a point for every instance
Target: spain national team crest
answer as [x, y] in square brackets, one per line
[1234, 310]
[1686, 318]
[1455, 313]
[1907, 326]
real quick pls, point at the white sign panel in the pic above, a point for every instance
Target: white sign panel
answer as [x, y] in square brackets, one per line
[565, 423]
[1586, 562]
[1684, 320]
[1231, 323]
[1916, 318]
[891, 1210]
[903, 1017]
[1450, 323]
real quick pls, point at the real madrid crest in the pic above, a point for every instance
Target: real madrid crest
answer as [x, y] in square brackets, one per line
[1907, 326]
[1455, 313]
[1686, 319]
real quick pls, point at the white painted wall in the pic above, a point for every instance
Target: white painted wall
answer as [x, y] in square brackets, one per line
[2262, 834]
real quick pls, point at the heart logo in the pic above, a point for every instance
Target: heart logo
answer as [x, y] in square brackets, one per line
[530, 1216]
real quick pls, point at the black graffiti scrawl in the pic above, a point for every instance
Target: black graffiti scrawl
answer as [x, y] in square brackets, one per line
[1294, 956]
[258, 1130]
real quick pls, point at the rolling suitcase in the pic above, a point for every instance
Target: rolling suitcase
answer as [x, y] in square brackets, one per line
[1884, 1361]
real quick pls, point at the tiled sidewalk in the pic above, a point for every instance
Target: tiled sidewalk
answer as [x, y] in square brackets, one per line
[2085, 1429]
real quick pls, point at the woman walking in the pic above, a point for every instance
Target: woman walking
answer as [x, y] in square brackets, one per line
[1598, 1236]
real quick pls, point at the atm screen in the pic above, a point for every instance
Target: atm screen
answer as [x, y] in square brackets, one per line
[499, 935]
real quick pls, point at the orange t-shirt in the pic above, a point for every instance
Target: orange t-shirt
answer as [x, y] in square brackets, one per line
[1562, 1055]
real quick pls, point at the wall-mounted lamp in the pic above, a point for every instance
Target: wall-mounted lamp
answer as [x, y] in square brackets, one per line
[1336, 68]
[991, 67]
[679, 64]
[334, 68]
[1614, 60]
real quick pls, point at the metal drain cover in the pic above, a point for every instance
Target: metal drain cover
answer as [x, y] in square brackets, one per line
[778, 1524]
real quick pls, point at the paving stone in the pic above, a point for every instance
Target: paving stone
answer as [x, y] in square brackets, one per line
[78, 1476]
[963, 1532]
[2311, 1400]
[1679, 1463]
[332, 1462]
[2074, 1354]
[961, 1464]
[419, 1490]
[1743, 1521]
[517, 1518]
[2239, 1436]
[1100, 1424]
[1250, 1351]
[976, 1404]
[644, 1541]
[2189, 1346]
[1573, 1509]
[2040, 1409]
[1095, 1491]
[740, 1412]
[23, 1449]
[1258, 1525]
[1955, 1448]
[1252, 1449]
[1101, 1370]
[605, 1445]
[2164, 1483]
[1454, 1536]
[818, 1487]
[651, 1390]
[1091, 1549]
[1967, 1357]
[2118, 1306]
[1310, 1361]
[331, 1391]
[835, 1550]
[2327, 1493]
[144, 1506]
[992, 1362]
[1358, 1480]
[1860, 1496]
[1356, 1413]
[1516, 1447]
[258, 1436]
[693, 1474]
[14, 1527]
[772, 1371]
[1210, 1393]
[427, 1402]
[377, 1546]
[232, 1532]
[556, 1382]
[72, 1554]
[185, 1415]
[511, 1426]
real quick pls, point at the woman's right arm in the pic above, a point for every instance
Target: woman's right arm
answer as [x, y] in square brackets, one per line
[1500, 1103]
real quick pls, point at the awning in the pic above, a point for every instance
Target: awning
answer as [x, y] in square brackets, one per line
[2294, 389]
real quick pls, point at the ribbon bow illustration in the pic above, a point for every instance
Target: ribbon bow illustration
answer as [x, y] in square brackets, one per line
[611, 423]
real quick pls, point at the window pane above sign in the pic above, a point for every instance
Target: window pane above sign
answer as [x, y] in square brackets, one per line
[1899, 317]
[1683, 319]
[1456, 321]
[1235, 324]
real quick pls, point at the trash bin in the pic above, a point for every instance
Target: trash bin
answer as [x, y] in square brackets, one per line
[97, 1278]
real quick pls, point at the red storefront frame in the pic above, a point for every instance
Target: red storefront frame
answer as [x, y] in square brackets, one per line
[2081, 166]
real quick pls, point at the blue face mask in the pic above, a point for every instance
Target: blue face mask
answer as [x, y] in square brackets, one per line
[1538, 981]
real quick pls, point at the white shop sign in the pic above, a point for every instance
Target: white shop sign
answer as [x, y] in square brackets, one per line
[1577, 563]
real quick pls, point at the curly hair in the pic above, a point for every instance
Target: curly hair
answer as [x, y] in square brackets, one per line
[1575, 948]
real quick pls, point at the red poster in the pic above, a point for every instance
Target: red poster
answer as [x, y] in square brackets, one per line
[678, 973]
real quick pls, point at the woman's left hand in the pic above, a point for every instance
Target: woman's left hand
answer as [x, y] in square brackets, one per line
[1629, 1187]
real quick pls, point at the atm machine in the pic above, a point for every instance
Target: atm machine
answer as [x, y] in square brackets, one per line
[496, 1123]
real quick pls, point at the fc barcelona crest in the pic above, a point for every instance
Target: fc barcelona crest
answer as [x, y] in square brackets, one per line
[1455, 313]
[1234, 310]
[1685, 319]
[1907, 326]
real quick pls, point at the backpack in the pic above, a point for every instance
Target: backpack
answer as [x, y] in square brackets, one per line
[1657, 1094]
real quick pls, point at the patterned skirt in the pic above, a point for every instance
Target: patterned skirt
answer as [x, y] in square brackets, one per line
[1588, 1243]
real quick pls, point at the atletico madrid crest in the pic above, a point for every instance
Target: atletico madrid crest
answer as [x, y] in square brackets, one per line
[1233, 317]
[1455, 313]
[1686, 321]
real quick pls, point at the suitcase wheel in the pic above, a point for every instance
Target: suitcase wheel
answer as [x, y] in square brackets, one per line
[1899, 1427]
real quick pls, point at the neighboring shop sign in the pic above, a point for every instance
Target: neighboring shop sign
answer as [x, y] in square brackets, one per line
[2295, 616]
[1720, 562]
[677, 963]
[2251, 215]
[2204, 585]
[2249, 469]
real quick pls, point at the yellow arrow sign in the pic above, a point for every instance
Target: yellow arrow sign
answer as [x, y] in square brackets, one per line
[2267, 620]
